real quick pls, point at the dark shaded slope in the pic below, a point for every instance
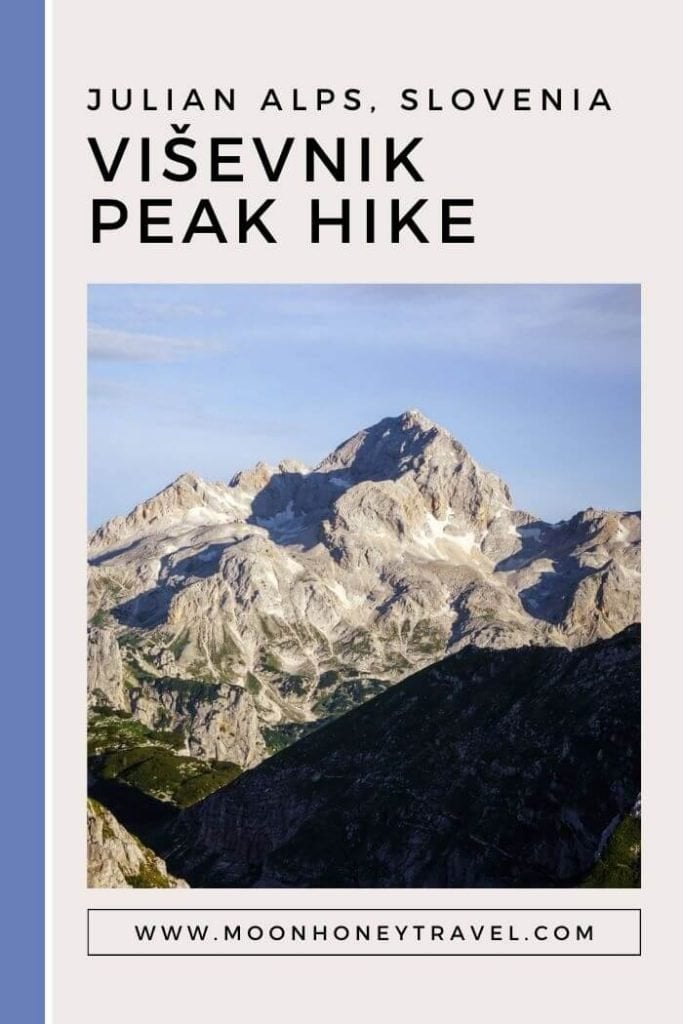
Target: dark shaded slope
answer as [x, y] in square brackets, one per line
[492, 768]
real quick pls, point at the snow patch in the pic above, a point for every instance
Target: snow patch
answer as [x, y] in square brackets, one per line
[433, 540]
[466, 541]
[205, 516]
[280, 520]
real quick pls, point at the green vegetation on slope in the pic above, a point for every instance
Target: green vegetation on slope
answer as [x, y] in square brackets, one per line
[113, 730]
[166, 776]
[619, 866]
[149, 877]
[126, 751]
[346, 696]
[279, 737]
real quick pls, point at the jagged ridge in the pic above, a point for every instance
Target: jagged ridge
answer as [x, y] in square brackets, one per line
[245, 613]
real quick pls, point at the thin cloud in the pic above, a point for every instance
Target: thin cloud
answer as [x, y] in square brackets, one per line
[116, 346]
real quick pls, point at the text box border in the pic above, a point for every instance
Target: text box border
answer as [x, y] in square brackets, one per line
[267, 910]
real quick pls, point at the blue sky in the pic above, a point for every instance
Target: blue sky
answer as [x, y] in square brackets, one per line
[540, 382]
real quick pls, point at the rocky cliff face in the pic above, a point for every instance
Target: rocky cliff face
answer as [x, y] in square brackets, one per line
[105, 669]
[219, 720]
[117, 860]
[492, 768]
[246, 612]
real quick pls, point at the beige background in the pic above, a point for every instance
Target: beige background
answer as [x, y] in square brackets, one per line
[560, 197]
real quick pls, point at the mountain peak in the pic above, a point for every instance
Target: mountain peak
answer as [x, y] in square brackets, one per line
[299, 593]
[253, 479]
[392, 447]
[412, 446]
[192, 480]
[409, 420]
[416, 418]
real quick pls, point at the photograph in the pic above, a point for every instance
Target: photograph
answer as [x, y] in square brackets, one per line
[364, 586]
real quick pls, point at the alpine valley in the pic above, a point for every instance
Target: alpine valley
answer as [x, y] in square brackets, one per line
[229, 621]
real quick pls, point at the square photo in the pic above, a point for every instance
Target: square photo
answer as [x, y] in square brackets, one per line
[364, 586]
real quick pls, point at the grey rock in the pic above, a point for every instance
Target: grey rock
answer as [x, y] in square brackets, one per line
[219, 720]
[313, 589]
[105, 670]
[118, 860]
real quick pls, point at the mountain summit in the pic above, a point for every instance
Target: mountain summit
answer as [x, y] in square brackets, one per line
[410, 445]
[392, 447]
[242, 613]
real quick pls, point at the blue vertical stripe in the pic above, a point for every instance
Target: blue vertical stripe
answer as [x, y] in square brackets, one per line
[22, 511]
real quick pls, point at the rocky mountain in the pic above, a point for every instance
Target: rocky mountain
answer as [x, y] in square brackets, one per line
[492, 768]
[118, 860]
[241, 614]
